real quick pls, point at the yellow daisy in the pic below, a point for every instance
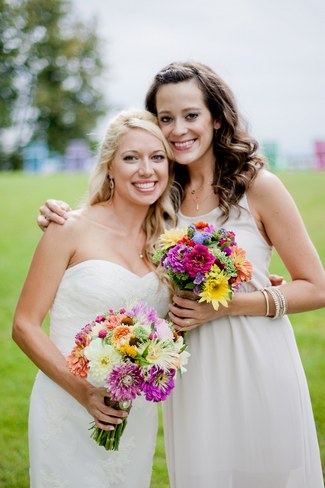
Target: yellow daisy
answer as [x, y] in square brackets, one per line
[216, 288]
[171, 237]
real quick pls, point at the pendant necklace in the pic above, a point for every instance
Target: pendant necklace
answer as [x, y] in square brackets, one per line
[196, 200]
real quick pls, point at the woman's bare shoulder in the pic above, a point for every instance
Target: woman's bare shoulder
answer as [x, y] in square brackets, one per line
[265, 181]
[73, 225]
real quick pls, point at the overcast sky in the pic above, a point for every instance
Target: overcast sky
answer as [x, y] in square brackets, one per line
[271, 53]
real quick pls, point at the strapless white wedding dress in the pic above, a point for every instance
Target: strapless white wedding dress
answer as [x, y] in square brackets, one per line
[62, 454]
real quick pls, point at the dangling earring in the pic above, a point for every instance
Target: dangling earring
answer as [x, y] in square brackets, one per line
[111, 182]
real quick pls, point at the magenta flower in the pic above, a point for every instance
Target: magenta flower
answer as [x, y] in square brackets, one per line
[102, 333]
[199, 260]
[158, 384]
[100, 318]
[175, 258]
[124, 382]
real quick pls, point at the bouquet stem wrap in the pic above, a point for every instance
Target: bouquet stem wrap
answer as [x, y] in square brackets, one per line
[189, 295]
[110, 439]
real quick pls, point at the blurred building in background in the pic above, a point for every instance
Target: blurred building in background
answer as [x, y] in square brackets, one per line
[295, 162]
[319, 154]
[37, 157]
[78, 157]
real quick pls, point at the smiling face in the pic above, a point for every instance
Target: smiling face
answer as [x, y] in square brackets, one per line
[186, 122]
[139, 168]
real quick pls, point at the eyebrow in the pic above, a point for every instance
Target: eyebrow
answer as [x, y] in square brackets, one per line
[183, 110]
[135, 151]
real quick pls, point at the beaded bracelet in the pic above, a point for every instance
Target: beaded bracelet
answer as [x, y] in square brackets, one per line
[283, 301]
[280, 301]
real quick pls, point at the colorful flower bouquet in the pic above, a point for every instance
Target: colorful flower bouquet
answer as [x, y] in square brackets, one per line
[205, 261]
[130, 353]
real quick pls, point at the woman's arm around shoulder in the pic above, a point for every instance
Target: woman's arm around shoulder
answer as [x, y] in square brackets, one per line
[53, 211]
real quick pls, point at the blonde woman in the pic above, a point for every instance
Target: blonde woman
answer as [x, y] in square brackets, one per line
[99, 260]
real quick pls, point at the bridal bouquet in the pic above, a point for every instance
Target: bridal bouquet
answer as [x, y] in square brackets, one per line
[204, 261]
[130, 353]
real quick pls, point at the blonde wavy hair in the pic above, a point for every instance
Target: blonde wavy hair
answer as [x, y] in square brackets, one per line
[236, 158]
[99, 186]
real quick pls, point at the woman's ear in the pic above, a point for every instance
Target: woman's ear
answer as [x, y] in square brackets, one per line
[216, 124]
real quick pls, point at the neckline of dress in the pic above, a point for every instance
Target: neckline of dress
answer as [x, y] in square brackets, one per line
[198, 217]
[112, 263]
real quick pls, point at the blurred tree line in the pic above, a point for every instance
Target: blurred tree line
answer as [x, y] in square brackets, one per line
[50, 64]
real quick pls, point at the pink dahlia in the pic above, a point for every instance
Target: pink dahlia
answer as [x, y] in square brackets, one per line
[124, 382]
[199, 260]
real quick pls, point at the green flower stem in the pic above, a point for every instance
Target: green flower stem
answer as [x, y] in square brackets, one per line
[110, 439]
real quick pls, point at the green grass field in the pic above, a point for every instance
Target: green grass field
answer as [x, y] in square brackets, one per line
[20, 197]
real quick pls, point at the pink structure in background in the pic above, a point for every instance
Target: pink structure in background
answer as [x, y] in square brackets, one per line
[319, 154]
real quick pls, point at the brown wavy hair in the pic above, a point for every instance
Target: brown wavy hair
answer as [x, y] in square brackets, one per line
[237, 161]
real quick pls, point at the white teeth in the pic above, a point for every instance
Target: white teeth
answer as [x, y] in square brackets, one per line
[150, 184]
[183, 145]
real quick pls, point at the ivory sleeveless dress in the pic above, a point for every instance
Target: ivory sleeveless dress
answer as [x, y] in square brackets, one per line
[62, 454]
[241, 417]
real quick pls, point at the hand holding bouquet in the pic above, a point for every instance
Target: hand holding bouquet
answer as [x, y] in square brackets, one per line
[130, 353]
[204, 260]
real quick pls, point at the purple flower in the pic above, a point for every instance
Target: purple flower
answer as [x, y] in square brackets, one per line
[199, 278]
[158, 384]
[175, 258]
[196, 290]
[227, 250]
[84, 331]
[143, 314]
[198, 260]
[200, 237]
[124, 382]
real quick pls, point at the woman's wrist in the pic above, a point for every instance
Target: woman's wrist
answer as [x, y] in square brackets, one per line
[249, 303]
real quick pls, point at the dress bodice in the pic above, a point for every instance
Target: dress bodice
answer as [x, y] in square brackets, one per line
[93, 287]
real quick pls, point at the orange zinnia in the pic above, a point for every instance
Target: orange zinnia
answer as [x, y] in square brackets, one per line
[201, 225]
[121, 336]
[244, 267]
[77, 362]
